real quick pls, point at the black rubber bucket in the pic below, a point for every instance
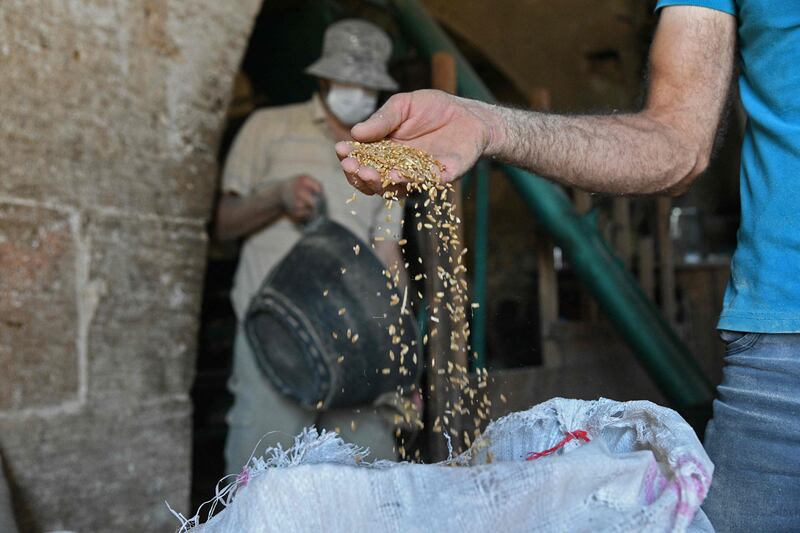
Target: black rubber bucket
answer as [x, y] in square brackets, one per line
[291, 321]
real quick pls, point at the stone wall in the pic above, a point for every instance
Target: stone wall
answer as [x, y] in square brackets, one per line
[111, 111]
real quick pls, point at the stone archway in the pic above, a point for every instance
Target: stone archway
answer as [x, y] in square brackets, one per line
[111, 115]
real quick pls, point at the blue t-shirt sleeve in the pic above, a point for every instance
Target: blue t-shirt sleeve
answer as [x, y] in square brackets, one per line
[726, 6]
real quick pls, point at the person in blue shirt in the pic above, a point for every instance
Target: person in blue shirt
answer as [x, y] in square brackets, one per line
[754, 436]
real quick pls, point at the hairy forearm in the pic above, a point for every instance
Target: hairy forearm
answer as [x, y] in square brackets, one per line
[660, 149]
[238, 217]
[617, 154]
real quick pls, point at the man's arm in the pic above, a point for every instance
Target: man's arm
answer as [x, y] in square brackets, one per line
[660, 149]
[240, 216]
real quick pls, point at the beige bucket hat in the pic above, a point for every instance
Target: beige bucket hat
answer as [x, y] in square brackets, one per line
[355, 51]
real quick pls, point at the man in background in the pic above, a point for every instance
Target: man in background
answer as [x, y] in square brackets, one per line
[279, 166]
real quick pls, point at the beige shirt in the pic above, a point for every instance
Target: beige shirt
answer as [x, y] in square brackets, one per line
[279, 143]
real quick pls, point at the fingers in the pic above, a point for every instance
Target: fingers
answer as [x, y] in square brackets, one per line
[304, 205]
[308, 193]
[368, 180]
[365, 179]
[306, 197]
[309, 183]
[343, 149]
[351, 167]
[383, 122]
[300, 214]
[300, 196]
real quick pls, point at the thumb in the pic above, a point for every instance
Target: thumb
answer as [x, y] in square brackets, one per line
[384, 121]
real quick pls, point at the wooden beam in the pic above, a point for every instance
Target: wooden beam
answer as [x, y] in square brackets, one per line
[548, 298]
[444, 366]
[582, 201]
[588, 307]
[443, 72]
[622, 229]
[666, 259]
[646, 266]
[539, 99]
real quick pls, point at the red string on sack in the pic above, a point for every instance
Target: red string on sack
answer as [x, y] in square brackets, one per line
[571, 435]
[243, 477]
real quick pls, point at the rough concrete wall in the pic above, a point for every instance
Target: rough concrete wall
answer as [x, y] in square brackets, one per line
[110, 111]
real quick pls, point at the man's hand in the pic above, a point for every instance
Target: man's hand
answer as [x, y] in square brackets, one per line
[241, 216]
[456, 131]
[299, 196]
[662, 148]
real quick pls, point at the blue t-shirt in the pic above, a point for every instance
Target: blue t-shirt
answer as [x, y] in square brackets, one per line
[763, 294]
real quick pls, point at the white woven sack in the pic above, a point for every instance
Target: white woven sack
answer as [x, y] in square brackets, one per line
[643, 470]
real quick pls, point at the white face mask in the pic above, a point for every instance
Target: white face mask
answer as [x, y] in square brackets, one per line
[351, 104]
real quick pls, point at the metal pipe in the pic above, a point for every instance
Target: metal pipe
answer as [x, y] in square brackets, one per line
[663, 354]
[480, 254]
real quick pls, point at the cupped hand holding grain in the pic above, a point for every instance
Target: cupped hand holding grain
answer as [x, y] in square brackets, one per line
[454, 131]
